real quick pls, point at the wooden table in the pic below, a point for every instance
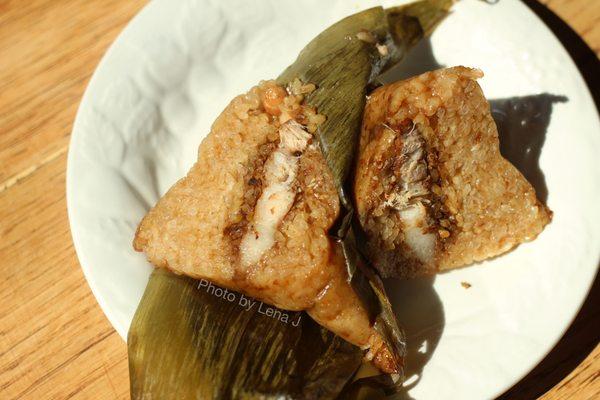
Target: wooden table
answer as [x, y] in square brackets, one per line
[55, 342]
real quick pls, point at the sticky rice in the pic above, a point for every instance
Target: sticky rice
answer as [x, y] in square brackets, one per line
[431, 187]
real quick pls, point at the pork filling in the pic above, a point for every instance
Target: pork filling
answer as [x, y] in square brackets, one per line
[272, 183]
[278, 192]
[406, 214]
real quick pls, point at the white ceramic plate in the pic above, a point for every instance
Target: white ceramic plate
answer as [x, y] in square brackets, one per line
[177, 64]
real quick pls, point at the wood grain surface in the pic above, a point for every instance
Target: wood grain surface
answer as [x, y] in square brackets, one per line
[55, 342]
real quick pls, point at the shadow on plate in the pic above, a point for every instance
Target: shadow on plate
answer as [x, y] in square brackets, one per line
[419, 60]
[421, 315]
[522, 123]
[584, 333]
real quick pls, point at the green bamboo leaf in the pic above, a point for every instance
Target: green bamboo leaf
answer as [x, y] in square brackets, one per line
[341, 66]
[191, 342]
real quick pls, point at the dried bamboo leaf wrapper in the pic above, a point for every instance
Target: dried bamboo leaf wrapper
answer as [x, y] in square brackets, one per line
[185, 343]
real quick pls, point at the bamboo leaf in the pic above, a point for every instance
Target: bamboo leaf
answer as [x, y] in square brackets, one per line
[186, 342]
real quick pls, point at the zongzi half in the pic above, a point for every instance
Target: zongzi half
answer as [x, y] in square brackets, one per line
[253, 215]
[431, 188]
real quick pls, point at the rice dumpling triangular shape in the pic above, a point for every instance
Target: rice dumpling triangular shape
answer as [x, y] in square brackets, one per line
[432, 190]
[253, 215]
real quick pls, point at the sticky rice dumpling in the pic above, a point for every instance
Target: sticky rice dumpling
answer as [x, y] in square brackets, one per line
[432, 190]
[253, 215]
